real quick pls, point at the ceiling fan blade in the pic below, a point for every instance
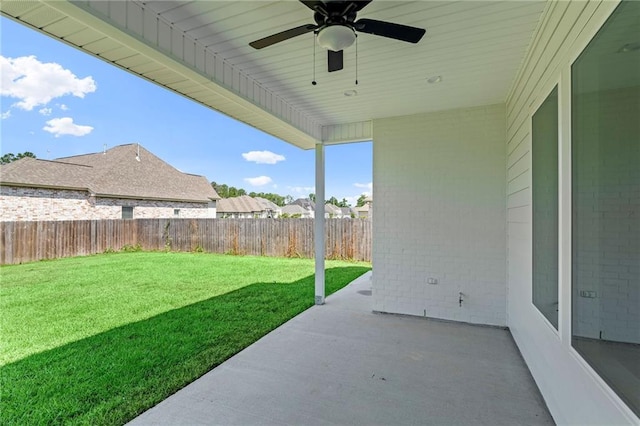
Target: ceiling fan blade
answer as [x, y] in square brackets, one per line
[390, 30]
[316, 6]
[334, 60]
[360, 4]
[282, 36]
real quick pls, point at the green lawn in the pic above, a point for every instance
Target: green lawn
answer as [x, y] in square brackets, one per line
[99, 339]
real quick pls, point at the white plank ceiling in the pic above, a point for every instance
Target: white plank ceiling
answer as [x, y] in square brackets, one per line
[200, 49]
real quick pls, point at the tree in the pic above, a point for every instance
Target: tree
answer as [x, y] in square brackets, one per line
[226, 191]
[312, 197]
[343, 203]
[10, 157]
[221, 189]
[361, 201]
[332, 200]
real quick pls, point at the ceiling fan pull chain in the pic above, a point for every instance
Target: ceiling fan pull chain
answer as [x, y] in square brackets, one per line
[356, 59]
[315, 35]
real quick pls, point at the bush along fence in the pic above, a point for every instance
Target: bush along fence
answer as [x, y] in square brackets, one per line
[31, 241]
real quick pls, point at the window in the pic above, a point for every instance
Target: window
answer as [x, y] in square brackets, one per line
[176, 212]
[127, 212]
[544, 158]
[606, 203]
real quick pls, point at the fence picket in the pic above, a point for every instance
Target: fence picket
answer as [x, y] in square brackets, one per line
[30, 241]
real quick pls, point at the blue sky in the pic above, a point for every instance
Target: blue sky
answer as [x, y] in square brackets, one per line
[57, 101]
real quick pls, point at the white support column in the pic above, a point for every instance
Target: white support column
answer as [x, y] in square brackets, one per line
[319, 231]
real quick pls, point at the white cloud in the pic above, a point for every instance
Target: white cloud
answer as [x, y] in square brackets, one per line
[352, 200]
[63, 107]
[302, 189]
[5, 114]
[36, 83]
[368, 186]
[258, 181]
[45, 111]
[66, 126]
[263, 157]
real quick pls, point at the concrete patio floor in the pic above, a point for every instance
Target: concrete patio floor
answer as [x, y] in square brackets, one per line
[342, 364]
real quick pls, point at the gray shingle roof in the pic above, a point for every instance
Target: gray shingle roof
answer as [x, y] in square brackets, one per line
[267, 204]
[305, 203]
[294, 209]
[114, 173]
[332, 209]
[241, 204]
[42, 173]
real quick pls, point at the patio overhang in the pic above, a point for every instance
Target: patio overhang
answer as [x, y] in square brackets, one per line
[201, 50]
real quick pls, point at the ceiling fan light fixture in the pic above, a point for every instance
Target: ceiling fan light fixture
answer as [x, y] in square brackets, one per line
[336, 37]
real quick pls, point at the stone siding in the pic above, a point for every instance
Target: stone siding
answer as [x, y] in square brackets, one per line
[31, 204]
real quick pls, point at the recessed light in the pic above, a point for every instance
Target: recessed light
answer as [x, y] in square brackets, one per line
[434, 79]
[350, 93]
[630, 47]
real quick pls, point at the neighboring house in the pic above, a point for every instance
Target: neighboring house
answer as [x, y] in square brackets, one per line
[270, 209]
[295, 209]
[332, 211]
[242, 207]
[365, 210]
[517, 178]
[307, 204]
[124, 182]
[346, 212]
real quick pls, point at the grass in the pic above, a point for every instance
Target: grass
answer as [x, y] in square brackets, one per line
[99, 339]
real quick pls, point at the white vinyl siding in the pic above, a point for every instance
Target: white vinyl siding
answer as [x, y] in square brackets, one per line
[574, 393]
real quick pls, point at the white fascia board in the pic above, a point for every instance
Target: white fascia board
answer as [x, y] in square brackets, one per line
[347, 132]
[301, 131]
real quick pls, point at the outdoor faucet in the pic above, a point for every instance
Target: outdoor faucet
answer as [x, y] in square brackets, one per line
[460, 299]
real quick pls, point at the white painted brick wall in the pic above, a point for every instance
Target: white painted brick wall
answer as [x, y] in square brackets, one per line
[445, 172]
[608, 202]
[30, 204]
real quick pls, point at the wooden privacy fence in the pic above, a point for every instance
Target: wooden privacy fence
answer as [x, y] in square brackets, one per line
[30, 241]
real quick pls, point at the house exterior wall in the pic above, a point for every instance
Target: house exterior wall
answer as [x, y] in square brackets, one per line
[574, 393]
[31, 204]
[447, 170]
[601, 315]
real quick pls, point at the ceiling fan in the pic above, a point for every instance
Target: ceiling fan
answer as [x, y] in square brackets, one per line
[336, 28]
